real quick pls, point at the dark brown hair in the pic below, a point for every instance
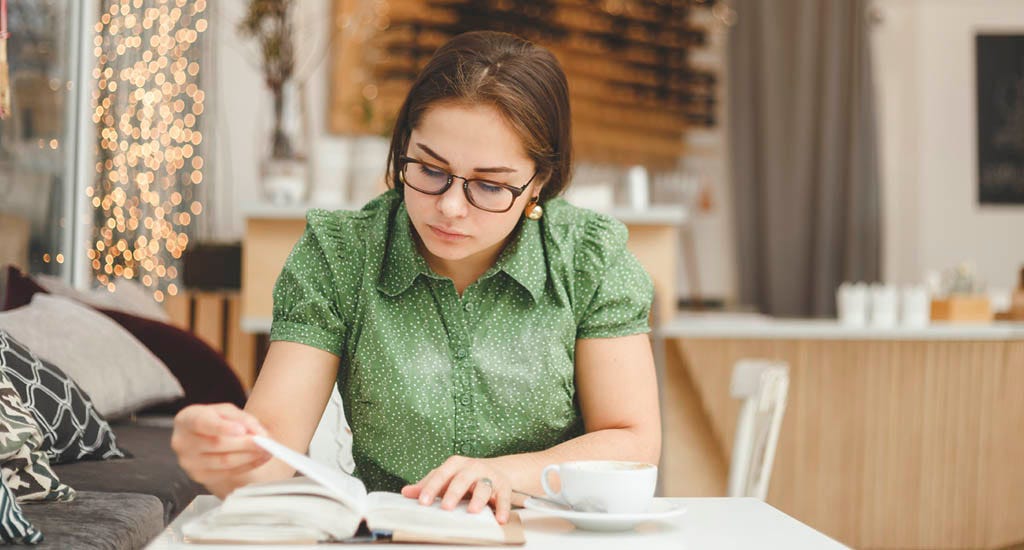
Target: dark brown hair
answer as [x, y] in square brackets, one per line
[522, 80]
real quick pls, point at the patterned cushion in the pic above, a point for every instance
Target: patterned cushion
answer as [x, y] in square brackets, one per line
[72, 428]
[14, 528]
[118, 372]
[24, 468]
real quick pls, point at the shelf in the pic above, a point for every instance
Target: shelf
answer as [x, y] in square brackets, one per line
[759, 327]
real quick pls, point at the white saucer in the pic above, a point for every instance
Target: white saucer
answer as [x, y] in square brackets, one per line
[599, 521]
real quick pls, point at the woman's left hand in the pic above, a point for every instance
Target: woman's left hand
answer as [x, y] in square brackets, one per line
[460, 475]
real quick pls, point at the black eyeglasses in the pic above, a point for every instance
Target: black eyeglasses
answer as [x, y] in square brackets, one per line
[486, 195]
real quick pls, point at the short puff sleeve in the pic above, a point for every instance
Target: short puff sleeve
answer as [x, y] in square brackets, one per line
[614, 290]
[311, 298]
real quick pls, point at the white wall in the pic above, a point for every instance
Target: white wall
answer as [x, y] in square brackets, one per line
[706, 154]
[925, 76]
[242, 111]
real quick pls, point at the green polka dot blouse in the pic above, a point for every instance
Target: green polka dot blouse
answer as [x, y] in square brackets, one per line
[425, 373]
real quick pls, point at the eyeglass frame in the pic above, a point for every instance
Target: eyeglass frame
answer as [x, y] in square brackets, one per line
[516, 191]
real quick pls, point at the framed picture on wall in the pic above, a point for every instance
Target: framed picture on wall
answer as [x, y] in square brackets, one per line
[1000, 97]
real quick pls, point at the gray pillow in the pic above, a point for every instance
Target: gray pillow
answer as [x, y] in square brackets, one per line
[117, 371]
[128, 296]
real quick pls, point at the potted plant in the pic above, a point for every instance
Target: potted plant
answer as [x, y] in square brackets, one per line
[270, 24]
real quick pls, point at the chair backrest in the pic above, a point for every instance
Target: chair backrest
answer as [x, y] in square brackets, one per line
[763, 386]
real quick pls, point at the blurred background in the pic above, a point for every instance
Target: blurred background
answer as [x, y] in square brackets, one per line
[834, 185]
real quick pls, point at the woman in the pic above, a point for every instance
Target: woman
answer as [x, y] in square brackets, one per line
[477, 327]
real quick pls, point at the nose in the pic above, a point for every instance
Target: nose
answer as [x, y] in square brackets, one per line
[453, 203]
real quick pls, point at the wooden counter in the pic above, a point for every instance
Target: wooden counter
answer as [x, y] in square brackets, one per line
[272, 231]
[899, 438]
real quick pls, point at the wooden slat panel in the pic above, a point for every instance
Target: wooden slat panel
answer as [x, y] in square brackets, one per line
[632, 89]
[1005, 441]
[693, 463]
[178, 307]
[209, 319]
[655, 247]
[886, 444]
[241, 348]
[266, 245]
[14, 240]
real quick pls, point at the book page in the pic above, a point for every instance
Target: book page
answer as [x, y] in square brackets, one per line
[282, 517]
[347, 489]
[393, 512]
[300, 485]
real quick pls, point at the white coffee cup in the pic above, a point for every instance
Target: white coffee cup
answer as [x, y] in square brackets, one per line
[611, 486]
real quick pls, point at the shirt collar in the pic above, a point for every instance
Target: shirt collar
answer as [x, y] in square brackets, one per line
[402, 262]
[522, 260]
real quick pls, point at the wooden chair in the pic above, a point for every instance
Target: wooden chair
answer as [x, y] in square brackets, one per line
[762, 385]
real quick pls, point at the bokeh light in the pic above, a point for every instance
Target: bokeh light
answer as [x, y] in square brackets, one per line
[147, 106]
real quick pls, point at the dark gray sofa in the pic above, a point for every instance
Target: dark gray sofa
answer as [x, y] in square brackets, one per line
[121, 503]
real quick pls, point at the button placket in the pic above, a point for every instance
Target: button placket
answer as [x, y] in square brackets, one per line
[457, 311]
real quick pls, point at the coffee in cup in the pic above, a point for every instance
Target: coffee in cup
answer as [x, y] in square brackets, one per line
[608, 486]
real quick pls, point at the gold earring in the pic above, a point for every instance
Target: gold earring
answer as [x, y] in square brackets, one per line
[534, 211]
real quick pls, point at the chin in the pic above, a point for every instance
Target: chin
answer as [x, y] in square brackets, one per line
[448, 251]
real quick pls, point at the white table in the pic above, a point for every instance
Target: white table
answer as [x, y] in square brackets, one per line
[709, 523]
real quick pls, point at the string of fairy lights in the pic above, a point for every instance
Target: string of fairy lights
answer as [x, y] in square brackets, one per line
[147, 107]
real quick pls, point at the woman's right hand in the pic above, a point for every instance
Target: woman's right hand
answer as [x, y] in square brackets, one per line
[215, 447]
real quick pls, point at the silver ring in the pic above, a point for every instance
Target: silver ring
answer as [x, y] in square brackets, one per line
[486, 481]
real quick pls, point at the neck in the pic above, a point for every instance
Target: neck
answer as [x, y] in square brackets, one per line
[462, 272]
[465, 271]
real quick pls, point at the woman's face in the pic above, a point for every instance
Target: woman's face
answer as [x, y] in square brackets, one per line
[472, 141]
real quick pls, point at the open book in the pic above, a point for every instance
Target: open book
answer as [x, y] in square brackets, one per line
[325, 504]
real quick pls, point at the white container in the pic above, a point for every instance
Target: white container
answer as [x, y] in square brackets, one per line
[331, 171]
[368, 163]
[638, 183]
[884, 305]
[852, 304]
[599, 197]
[285, 181]
[915, 307]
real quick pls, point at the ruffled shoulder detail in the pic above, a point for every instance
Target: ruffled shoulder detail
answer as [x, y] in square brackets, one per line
[608, 290]
[348, 233]
[601, 242]
[588, 239]
[316, 296]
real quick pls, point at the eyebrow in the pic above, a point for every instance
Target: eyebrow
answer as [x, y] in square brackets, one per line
[489, 170]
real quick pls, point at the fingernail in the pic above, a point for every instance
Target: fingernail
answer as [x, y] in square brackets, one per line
[424, 500]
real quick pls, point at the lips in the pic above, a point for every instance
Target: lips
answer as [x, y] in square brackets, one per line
[447, 234]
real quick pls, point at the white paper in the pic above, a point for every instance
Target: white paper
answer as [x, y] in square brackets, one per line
[348, 489]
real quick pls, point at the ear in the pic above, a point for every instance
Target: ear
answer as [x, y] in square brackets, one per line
[536, 188]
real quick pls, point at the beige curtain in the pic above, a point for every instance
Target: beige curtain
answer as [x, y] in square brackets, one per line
[804, 152]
